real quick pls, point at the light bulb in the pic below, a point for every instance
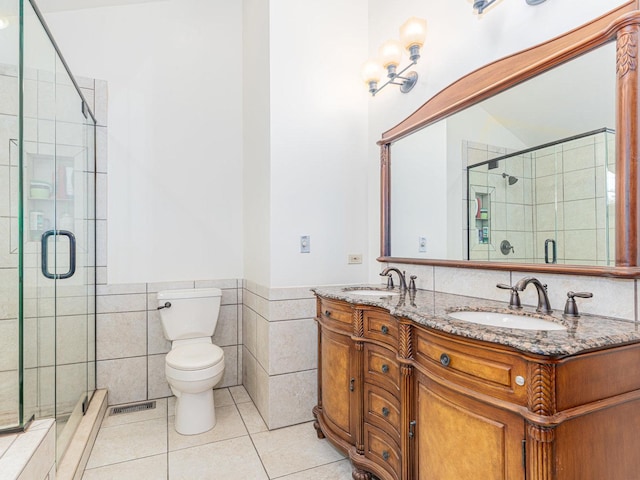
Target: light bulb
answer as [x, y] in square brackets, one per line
[371, 71]
[413, 32]
[391, 53]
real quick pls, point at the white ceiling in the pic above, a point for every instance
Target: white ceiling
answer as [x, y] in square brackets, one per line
[58, 5]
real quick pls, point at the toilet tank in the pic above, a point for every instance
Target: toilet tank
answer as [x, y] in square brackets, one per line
[192, 313]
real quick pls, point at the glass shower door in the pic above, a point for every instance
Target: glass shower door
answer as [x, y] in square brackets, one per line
[59, 239]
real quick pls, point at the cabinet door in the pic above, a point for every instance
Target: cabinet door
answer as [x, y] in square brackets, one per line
[338, 384]
[460, 438]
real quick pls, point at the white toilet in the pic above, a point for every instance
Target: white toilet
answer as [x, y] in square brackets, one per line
[194, 365]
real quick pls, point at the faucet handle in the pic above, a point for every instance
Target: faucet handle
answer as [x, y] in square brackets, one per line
[571, 307]
[412, 282]
[514, 300]
[389, 279]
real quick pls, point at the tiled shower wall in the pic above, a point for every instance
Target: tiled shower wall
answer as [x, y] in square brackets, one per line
[510, 210]
[39, 138]
[575, 200]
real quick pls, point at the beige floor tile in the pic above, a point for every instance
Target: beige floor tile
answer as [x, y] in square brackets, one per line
[233, 459]
[5, 442]
[148, 468]
[159, 412]
[333, 471]
[251, 417]
[239, 394]
[121, 443]
[229, 424]
[292, 449]
[222, 397]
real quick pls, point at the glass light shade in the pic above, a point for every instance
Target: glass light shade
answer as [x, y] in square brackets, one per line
[413, 32]
[391, 53]
[371, 71]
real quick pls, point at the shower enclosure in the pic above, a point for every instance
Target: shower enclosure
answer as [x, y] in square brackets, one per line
[553, 203]
[47, 230]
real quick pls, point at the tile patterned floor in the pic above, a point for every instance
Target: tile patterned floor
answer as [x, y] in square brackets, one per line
[145, 446]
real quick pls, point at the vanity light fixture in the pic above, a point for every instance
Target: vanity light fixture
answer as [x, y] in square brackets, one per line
[412, 35]
[480, 5]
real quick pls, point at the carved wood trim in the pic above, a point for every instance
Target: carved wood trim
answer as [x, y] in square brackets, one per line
[540, 452]
[627, 148]
[407, 414]
[358, 323]
[358, 374]
[541, 392]
[385, 200]
[405, 341]
[626, 53]
[319, 374]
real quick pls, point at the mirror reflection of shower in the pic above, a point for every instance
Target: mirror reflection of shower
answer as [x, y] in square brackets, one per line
[511, 178]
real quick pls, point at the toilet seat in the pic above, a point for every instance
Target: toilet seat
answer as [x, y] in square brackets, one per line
[192, 357]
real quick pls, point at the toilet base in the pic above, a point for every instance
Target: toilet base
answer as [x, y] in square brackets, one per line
[195, 412]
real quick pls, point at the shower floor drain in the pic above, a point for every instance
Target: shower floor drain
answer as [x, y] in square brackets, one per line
[139, 407]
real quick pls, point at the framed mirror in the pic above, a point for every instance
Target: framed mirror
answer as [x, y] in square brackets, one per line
[534, 170]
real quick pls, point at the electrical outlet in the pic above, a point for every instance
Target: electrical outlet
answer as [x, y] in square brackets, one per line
[422, 244]
[305, 244]
[355, 258]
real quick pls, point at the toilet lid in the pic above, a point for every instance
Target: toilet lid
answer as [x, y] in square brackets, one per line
[195, 356]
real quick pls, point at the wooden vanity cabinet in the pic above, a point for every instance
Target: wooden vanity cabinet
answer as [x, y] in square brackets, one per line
[459, 437]
[406, 402]
[338, 376]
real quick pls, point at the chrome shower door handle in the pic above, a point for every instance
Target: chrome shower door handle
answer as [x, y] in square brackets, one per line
[554, 253]
[44, 243]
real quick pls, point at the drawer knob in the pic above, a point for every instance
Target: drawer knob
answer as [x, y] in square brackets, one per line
[385, 368]
[385, 455]
[520, 380]
[385, 329]
[385, 412]
[327, 313]
[445, 360]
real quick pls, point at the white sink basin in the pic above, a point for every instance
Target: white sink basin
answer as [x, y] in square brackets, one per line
[372, 293]
[507, 320]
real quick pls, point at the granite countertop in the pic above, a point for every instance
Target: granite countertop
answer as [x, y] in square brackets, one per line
[431, 309]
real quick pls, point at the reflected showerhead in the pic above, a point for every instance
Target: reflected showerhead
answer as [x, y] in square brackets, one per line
[511, 178]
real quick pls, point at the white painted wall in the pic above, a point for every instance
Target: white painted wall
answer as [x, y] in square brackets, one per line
[458, 42]
[318, 140]
[257, 142]
[175, 132]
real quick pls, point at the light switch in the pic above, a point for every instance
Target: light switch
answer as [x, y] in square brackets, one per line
[305, 244]
[422, 244]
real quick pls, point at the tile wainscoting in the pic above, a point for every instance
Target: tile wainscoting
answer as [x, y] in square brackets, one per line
[280, 353]
[130, 345]
[268, 336]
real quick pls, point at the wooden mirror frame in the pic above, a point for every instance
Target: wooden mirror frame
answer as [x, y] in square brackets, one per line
[621, 25]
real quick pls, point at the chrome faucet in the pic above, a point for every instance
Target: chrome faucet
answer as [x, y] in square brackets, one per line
[543, 300]
[387, 273]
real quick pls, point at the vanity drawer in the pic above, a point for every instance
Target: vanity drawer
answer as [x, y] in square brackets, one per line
[381, 449]
[381, 367]
[467, 363]
[333, 311]
[382, 409]
[381, 326]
